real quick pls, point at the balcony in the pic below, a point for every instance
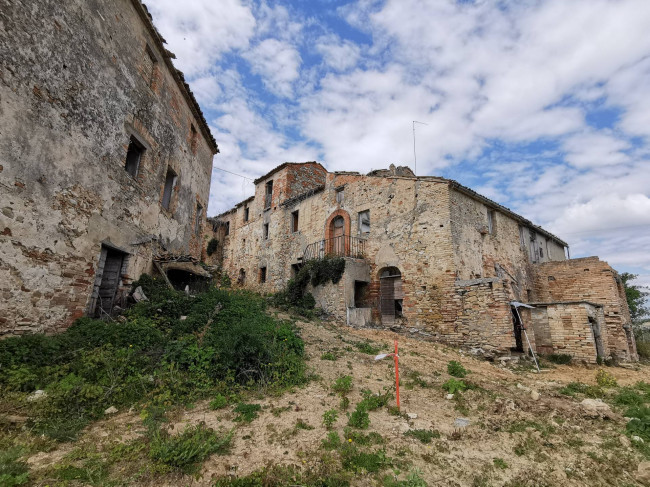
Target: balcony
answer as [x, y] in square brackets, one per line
[341, 246]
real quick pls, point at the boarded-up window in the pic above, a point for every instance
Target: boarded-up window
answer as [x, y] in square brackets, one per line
[340, 195]
[492, 222]
[170, 183]
[364, 221]
[133, 157]
[150, 64]
[199, 217]
[294, 221]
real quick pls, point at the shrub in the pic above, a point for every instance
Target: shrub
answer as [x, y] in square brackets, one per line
[185, 451]
[359, 419]
[219, 402]
[456, 369]
[371, 401]
[425, 436]
[342, 385]
[559, 358]
[13, 471]
[247, 412]
[212, 246]
[639, 425]
[329, 418]
[628, 397]
[574, 388]
[605, 378]
[452, 386]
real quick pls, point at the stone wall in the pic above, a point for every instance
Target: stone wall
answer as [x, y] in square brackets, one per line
[565, 328]
[78, 79]
[590, 279]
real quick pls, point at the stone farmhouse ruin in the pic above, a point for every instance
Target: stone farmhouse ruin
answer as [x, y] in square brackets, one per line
[105, 160]
[424, 255]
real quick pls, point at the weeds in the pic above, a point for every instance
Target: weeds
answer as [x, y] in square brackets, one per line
[329, 356]
[500, 463]
[219, 402]
[246, 413]
[359, 419]
[452, 386]
[13, 471]
[185, 451]
[342, 385]
[367, 347]
[559, 358]
[456, 369]
[605, 379]
[574, 388]
[329, 418]
[425, 436]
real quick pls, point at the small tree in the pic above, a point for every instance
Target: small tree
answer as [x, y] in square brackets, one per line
[636, 298]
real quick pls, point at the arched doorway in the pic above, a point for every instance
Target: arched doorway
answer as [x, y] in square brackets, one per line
[391, 295]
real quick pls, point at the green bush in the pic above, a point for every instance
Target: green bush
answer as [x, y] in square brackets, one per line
[605, 379]
[227, 340]
[342, 385]
[329, 418]
[456, 369]
[212, 246]
[452, 386]
[628, 397]
[559, 358]
[13, 471]
[219, 402]
[185, 451]
[425, 436]
[574, 388]
[639, 425]
[247, 412]
[359, 419]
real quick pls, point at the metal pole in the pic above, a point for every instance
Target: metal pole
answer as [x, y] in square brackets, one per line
[523, 328]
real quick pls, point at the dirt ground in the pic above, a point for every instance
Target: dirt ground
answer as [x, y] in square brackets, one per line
[521, 430]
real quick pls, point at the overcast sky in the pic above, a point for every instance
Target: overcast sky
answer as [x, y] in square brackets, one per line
[541, 105]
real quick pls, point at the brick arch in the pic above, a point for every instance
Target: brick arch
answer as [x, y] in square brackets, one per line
[329, 228]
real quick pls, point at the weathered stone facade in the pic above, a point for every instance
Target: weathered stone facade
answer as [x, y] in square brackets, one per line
[424, 254]
[105, 158]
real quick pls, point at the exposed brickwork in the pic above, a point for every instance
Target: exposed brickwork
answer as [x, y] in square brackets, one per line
[592, 280]
[458, 275]
[77, 83]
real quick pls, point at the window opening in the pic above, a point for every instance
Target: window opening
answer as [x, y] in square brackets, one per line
[364, 221]
[134, 156]
[241, 279]
[262, 275]
[266, 231]
[522, 239]
[268, 194]
[150, 63]
[170, 183]
[294, 221]
[227, 229]
[246, 214]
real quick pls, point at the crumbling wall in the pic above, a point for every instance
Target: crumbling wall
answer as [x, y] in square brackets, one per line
[76, 82]
[590, 279]
[565, 328]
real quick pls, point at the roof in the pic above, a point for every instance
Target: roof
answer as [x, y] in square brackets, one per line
[286, 164]
[178, 76]
[488, 202]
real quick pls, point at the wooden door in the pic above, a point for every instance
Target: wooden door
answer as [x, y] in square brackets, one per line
[337, 246]
[110, 282]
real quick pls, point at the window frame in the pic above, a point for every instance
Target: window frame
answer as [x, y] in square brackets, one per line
[141, 149]
[295, 221]
[172, 186]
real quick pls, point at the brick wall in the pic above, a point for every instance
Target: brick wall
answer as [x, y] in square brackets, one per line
[592, 280]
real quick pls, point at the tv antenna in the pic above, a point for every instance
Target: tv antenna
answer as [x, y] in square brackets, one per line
[415, 159]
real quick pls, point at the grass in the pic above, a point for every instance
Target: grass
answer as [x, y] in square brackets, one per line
[559, 358]
[342, 385]
[226, 343]
[367, 347]
[13, 471]
[574, 388]
[329, 356]
[219, 402]
[246, 413]
[500, 463]
[424, 436]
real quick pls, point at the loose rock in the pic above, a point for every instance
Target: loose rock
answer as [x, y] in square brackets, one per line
[596, 408]
[111, 410]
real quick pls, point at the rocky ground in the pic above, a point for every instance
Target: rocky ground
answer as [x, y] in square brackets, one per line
[513, 428]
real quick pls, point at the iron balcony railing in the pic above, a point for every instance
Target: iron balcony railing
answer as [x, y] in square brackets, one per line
[341, 246]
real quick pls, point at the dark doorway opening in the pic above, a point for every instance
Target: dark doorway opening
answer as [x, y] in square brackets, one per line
[187, 281]
[390, 294]
[598, 339]
[518, 327]
[361, 294]
[110, 279]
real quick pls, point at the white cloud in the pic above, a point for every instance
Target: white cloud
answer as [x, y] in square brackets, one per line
[278, 63]
[591, 149]
[338, 55]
